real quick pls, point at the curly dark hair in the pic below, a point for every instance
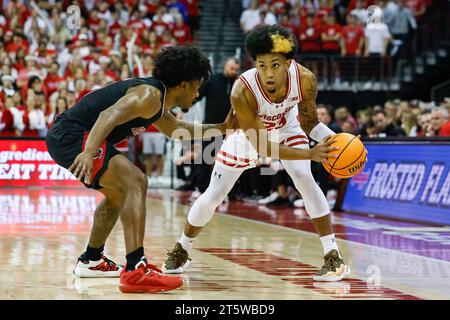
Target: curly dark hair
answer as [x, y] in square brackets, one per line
[271, 39]
[181, 63]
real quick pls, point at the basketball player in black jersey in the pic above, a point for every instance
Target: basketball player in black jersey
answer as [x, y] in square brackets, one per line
[82, 140]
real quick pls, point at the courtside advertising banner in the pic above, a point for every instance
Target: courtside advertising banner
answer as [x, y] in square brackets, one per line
[28, 163]
[404, 180]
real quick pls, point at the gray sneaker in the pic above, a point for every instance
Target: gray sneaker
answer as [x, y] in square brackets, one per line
[177, 261]
[334, 268]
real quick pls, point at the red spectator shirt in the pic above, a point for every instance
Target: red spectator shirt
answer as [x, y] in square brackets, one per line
[352, 36]
[192, 7]
[93, 23]
[6, 122]
[312, 41]
[331, 30]
[52, 82]
[27, 132]
[445, 130]
[110, 73]
[322, 12]
[151, 8]
[290, 26]
[182, 34]
[13, 47]
[114, 28]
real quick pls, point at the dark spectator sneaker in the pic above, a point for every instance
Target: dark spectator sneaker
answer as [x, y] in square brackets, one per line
[279, 202]
[334, 268]
[177, 261]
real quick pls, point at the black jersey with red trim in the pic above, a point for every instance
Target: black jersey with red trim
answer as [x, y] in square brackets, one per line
[83, 115]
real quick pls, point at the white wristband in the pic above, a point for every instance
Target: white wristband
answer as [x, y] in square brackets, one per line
[320, 131]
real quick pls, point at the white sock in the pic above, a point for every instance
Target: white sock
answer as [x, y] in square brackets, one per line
[329, 243]
[186, 242]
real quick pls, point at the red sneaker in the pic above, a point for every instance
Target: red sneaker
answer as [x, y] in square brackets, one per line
[147, 278]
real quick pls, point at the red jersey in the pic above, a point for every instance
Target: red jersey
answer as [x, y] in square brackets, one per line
[93, 23]
[290, 26]
[445, 130]
[27, 132]
[182, 34]
[192, 7]
[52, 82]
[114, 28]
[6, 123]
[352, 36]
[331, 30]
[311, 42]
[13, 47]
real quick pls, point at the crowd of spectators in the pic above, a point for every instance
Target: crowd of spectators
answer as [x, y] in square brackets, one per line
[45, 66]
[328, 29]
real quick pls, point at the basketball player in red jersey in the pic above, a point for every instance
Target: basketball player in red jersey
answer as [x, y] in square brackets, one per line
[82, 140]
[278, 98]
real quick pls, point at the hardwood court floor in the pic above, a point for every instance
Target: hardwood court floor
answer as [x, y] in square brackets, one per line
[249, 252]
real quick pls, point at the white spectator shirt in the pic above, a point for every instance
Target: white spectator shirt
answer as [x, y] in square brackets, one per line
[9, 92]
[2, 20]
[376, 34]
[167, 18]
[93, 67]
[84, 51]
[27, 25]
[250, 19]
[37, 119]
[105, 15]
[17, 118]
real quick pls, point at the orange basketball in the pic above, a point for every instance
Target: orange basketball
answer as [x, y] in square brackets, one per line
[352, 156]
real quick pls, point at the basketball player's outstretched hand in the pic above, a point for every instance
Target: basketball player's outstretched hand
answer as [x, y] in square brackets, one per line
[82, 167]
[322, 151]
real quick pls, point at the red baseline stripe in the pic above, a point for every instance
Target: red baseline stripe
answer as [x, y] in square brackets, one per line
[301, 274]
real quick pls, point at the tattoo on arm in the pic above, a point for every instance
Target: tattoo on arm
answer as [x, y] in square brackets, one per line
[307, 109]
